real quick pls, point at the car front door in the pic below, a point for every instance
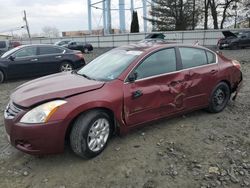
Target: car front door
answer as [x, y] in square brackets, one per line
[50, 59]
[202, 77]
[23, 62]
[157, 90]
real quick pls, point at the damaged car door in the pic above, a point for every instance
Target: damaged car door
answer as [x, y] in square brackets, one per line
[202, 77]
[154, 88]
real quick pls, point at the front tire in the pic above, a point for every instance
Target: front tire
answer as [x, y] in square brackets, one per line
[90, 133]
[234, 46]
[1, 76]
[219, 98]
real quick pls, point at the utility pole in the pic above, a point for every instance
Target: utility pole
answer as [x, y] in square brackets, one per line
[26, 23]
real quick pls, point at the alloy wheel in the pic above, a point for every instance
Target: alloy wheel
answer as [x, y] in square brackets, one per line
[66, 67]
[98, 134]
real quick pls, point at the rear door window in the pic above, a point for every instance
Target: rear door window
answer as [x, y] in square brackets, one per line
[192, 57]
[211, 57]
[44, 50]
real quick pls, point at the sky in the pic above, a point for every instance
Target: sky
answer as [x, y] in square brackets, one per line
[65, 15]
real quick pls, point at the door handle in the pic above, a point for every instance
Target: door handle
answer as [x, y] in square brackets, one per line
[58, 57]
[34, 60]
[137, 94]
[174, 83]
[213, 71]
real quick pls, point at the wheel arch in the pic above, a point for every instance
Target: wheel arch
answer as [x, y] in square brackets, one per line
[228, 83]
[4, 73]
[115, 125]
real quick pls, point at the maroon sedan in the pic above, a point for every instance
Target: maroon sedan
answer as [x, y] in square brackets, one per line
[119, 90]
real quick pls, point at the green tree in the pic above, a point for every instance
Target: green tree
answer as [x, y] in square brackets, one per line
[174, 14]
[134, 28]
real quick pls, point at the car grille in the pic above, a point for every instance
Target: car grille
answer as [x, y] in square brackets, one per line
[11, 111]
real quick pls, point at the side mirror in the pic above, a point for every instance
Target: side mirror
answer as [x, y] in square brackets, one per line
[12, 58]
[132, 77]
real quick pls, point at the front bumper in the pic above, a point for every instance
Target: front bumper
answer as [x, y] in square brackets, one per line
[37, 139]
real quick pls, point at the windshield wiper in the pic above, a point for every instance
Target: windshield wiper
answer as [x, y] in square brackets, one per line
[85, 76]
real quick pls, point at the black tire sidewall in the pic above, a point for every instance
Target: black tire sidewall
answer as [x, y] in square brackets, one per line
[1, 76]
[225, 88]
[83, 125]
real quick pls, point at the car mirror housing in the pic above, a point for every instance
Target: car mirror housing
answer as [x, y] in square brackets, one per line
[132, 77]
[12, 58]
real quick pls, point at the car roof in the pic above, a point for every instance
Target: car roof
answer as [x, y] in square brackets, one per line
[149, 46]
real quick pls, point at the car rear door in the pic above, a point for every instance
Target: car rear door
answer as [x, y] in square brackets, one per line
[157, 91]
[50, 59]
[24, 63]
[202, 77]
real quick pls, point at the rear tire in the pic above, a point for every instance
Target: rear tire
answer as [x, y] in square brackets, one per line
[85, 50]
[219, 97]
[90, 133]
[66, 66]
[1, 76]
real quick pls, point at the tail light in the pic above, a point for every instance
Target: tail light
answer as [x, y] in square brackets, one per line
[79, 55]
[236, 64]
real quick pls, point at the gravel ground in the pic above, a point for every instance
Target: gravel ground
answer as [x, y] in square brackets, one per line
[198, 149]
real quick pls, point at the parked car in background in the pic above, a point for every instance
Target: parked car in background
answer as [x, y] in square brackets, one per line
[6, 45]
[83, 47]
[234, 40]
[37, 60]
[62, 42]
[118, 91]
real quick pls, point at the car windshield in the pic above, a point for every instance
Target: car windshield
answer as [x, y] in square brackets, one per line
[6, 54]
[109, 65]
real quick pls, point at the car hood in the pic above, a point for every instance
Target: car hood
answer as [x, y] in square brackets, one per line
[228, 34]
[51, 87]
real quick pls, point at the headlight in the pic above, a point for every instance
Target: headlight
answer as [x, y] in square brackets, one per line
[42, 113]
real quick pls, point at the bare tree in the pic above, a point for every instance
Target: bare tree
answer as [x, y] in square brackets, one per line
[216, 6]
[206, 9]
[213, 6]
[49, 31]
[226, 5]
